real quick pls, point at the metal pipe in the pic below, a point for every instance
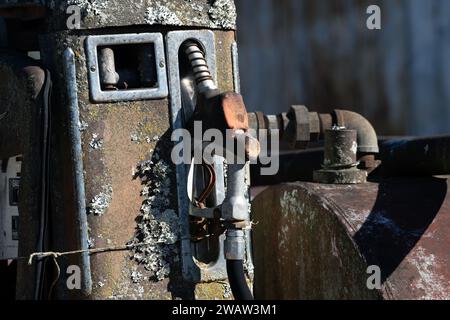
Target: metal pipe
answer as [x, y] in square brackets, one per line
[235, 205]
[340, 164]
[236, 215]
[302, 126]
[367, 136]
[77, 167]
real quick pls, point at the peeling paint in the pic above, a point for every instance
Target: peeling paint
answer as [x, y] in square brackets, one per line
[428, 281]
[289, 201]
[354, 147]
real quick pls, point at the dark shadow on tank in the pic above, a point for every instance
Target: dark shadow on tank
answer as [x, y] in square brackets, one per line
[402, 213]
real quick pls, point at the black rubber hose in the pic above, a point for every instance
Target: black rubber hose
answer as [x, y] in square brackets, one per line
[238, 283]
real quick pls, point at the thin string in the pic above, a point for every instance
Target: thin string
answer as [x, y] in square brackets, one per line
[55, 255]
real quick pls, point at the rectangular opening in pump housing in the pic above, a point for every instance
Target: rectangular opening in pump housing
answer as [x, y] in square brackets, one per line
[126, 67]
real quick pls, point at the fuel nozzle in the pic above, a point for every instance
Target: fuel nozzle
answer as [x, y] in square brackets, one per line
[226, 112]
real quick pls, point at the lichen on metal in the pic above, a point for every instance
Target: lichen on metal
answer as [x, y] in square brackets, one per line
[136, 276]
[100, 202]
[143, 134]
[82, 125]
[96, 142]
[91, 243]
[90, 7]
[214, 14]
[223, 14]
[158, 226]
[227, 294]
[161, 14]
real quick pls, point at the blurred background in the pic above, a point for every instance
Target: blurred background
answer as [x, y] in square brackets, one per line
[320, 53]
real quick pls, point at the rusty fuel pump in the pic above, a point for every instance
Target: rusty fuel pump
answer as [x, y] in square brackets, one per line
[91, 94]
[94, 98]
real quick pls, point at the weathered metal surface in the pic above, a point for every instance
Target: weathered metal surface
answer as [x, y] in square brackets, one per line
[234, 111]
[223, 112]
[343, 176]
[21, 83]
[113, 194]
[340, 165]
[297, 131]
[299, 128]
[314, 241]
[367, 136]
[76, 154]
[126, 195]
[217, 14]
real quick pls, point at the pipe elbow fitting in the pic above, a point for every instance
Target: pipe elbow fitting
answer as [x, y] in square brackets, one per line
[367, 137]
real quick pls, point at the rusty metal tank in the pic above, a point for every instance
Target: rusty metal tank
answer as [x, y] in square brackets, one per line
[316, 241]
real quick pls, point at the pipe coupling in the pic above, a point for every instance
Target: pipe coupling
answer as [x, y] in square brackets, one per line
[234, 245]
